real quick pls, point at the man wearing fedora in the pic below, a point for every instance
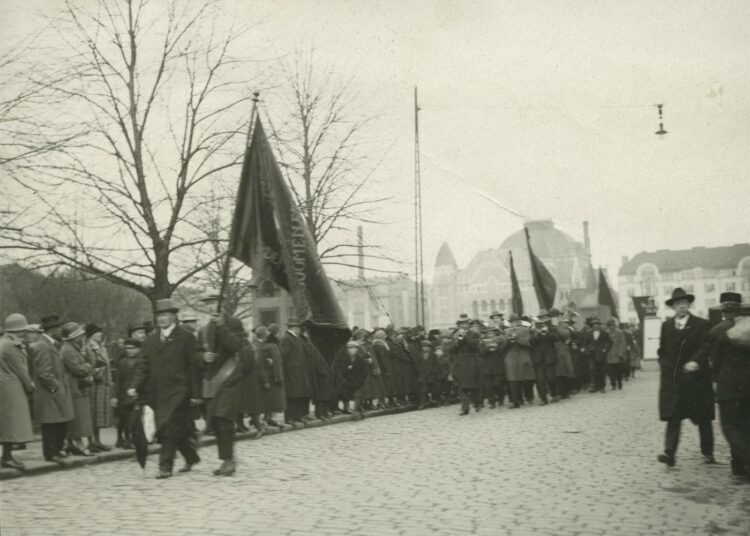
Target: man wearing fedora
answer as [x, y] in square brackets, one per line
[15, 388]
[296, 373]
[731, 367]
[685, 390]
[53, 405]
[464, 348]
[168, 380]
[596, 346]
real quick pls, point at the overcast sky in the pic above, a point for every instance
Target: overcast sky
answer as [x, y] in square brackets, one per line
[545, 106]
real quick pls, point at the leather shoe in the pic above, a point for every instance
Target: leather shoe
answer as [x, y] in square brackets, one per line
[103, 448]
[667, 459]
[56, 459]
[187, 467]
[228, 467]
[710, 460]
[13, 464]
[163, 474]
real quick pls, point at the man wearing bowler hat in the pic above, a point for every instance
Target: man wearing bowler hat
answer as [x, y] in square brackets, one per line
[685, 390]
[168, 380]
[296, 373]
[731, 367]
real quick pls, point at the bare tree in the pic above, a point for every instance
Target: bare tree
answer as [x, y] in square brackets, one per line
[322, 142]
[163, 104]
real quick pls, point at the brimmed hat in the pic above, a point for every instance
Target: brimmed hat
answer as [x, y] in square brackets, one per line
[16, 322]
[679, 294]
[71, 330]
[612, 322]
[552, 313]
[165, 306]
[514, 318]
[35, 328]
[496, 314]
[135, 343]
[188, 317]
[91, 329]
[595, 320]
[51, 322]
[261, 332]
[730, 297]
[132, 328]
[463, 319]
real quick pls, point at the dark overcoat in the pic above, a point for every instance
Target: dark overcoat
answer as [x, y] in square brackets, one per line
[685, 395]
[465, 355]
[255, 386]
[52, 400]
[543, 351]
[296, 373]
[383, 355]
[226, 402]
[167, 377]
[353, 376]
[427, 370]
[597, 349]
[730, 364]
[322, 373]
[124, 370]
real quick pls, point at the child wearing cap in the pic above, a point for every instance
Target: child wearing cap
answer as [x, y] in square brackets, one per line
[123, 404]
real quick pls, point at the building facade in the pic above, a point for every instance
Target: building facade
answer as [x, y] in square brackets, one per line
[483, 285]
[378, 301]
[704, 272]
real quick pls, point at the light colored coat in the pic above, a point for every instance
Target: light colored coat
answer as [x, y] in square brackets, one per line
[15, 387]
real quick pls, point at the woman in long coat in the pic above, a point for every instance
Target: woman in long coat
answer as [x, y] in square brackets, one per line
[15, 388]
[383, 356]
[101, 392]
[79, 377]
[373, 389]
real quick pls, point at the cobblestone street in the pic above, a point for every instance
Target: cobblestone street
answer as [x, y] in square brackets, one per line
[585, 466]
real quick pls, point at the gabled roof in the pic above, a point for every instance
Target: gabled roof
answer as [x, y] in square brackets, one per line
[445, 256]
[725, 257]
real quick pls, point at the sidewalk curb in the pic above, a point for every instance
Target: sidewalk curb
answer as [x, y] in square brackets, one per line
[44, 467]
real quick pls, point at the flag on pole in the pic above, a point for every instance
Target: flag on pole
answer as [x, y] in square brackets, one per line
[270, 236]
[545, 285]
[515, 289]
[605, 295]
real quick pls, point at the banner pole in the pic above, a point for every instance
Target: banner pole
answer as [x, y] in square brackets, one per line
[228, 258]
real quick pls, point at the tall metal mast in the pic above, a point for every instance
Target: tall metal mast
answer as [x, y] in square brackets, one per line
[418, 252]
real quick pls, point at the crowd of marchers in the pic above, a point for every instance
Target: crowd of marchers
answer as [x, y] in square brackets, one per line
[61, 375]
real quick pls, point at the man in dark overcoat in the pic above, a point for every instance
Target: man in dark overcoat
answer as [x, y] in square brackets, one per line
[731, 368]
[544, 358]
[53, 405]
[321, 372]
[595, 345]
[464, 350]
[296, 373]
[224, 363]
[685, 390]
[167, 379]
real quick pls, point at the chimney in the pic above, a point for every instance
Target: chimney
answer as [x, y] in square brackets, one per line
[361, 253]
[586, 238]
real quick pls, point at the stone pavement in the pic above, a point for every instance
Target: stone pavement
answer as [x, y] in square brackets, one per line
[586, 466]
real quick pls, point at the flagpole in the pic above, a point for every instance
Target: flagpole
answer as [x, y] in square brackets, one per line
[228, 258]
[418, 252]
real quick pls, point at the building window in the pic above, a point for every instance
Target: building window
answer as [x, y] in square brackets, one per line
[493, 305]
[267, 289]
[667, 291]
[475, 308]
[730, 287]
[710, 287]
[502, 304]
[484, 306]
[689, 288]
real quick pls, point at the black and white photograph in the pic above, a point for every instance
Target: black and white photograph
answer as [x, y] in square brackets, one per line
[374, 267]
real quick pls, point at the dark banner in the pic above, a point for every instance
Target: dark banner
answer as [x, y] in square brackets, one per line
[605, 295]
[515, 289]
[545, 285]
[270, 235]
